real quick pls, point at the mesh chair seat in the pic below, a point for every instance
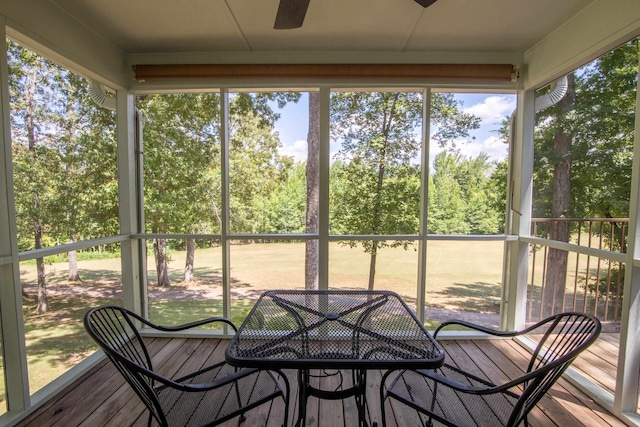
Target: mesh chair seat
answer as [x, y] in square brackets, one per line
[458, 408]
[459, 398]
[206, 397]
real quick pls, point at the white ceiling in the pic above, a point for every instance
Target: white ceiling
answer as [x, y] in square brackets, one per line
[181, 26]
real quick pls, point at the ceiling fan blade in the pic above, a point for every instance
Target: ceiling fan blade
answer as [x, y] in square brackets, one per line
[425, 3]
[291, 14]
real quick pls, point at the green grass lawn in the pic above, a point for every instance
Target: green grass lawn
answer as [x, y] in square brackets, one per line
[460, 276]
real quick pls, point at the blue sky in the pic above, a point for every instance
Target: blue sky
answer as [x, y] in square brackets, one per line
[491, 108]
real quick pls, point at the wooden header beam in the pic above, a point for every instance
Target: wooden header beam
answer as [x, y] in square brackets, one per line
[293, 72]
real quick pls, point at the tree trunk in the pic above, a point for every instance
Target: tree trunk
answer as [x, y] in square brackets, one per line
[372, 265]
[41, 303]
[382, 163]
[74, 276]
[160, 252]
[313, 190]
[189, 275]
[557, 259]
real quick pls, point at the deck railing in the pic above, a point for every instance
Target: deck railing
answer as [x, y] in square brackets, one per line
[592, 283]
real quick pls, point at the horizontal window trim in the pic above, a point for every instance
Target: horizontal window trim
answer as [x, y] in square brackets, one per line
[463, 237]
[571, 247]
[180, 236]
[332, 237]
[84, 244]
[275, 236]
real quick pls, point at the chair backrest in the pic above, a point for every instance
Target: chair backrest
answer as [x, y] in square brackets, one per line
[565, 336]
[114, 330]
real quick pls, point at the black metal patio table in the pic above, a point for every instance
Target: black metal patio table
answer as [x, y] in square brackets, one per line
[334, 329]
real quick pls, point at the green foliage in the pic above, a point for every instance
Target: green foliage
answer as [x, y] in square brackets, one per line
[258, 175]
[497, 192]
[601, 126]
[450, 122]
[182, 162]
[611, 281]
[462, 196]
[446, 199]
[286, 205]
[379, 190]
[64, 154]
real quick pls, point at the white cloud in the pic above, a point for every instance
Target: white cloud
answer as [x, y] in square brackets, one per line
[298, 150]
[492, 146]
[493, 108]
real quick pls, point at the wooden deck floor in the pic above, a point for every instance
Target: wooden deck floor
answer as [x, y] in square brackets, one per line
[599, 362]
[101, 398]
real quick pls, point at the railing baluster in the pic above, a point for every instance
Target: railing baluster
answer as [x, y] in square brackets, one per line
[544, 282]
[606, 292]
[577, 271]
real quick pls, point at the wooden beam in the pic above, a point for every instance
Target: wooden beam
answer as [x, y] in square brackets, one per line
[387, 72]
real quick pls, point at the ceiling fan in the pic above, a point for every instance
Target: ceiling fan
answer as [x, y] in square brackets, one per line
[291, 13]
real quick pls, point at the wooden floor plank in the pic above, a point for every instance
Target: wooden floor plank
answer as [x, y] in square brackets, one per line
[589, 412]
[466, 356]
[102, 398]
[60, 405]
[550, 406]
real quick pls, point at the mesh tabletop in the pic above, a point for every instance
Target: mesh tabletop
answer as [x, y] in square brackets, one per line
[333, 329]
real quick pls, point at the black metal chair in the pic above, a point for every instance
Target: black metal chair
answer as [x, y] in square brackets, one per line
[207, 397]
[458, 398]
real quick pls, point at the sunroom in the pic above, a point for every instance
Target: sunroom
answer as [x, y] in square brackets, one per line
[180, 158]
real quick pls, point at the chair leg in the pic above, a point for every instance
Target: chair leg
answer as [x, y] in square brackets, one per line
[243, 417]
[285, 398]
[383, 397]
[382, 413]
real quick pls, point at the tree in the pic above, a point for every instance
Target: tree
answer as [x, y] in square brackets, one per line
[286, 205]
[85, 142]
[446, 198]
[474, 178]
[498, 191]
[34, 161]
[64, 159]
[181, 170]
[557, 259]
[583, 154]
[313, 191]
[257, 172]
[378, 138]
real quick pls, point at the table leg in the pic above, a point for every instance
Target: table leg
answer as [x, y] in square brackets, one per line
[358, 391]
[303, 394]
[360, 380]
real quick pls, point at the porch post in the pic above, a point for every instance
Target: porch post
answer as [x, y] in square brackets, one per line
[11, 320]
[225, 226]
[424, 206]
[130, 206]
[520, 200]
[323, 216]
[628, 374]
